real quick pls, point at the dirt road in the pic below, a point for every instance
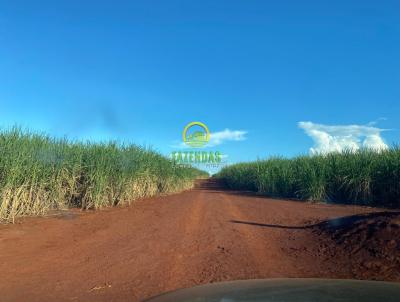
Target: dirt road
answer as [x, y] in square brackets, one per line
[207, 234]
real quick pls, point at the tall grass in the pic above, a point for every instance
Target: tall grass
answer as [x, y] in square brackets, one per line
[39, 173]
[364, 177]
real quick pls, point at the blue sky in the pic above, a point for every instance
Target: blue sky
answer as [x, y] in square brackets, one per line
[139, 71]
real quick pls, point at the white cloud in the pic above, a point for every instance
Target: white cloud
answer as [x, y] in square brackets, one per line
[220, 137]
[336, 138]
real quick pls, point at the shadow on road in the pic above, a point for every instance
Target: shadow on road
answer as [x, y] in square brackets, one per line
[273, 225]
[214, 185]
[328, 224]
[217, 186]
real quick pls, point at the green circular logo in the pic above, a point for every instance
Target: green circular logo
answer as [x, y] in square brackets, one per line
[196, 134]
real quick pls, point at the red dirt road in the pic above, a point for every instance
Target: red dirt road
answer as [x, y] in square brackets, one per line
[199, 236]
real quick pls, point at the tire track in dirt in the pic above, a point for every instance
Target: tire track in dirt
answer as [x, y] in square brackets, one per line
[189, 238]
[217, 257]
[255, 249]
[266, 246]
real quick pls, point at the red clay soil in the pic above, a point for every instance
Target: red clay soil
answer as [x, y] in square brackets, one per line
[204, 235]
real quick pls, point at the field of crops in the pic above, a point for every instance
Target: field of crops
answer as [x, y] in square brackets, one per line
[364, 177]
[39, 173]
